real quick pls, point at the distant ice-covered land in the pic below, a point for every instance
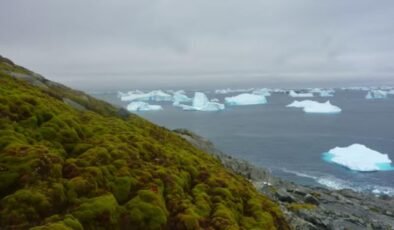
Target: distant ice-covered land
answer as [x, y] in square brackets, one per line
[315, 107]
[293, 93]
[358, 157]
[142, 106]
[376, 94]
[246, 99]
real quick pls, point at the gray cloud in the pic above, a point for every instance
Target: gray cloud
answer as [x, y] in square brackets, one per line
[174, 42]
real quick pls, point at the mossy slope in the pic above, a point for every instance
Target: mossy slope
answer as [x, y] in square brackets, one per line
[64, 168]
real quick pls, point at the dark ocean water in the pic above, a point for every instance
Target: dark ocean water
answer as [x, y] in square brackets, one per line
[290, 142]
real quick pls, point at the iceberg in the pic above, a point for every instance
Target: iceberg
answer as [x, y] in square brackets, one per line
[228, 90]
[315, 107]
[180, 96]
[142, 106]
[134, 96]
[376, 94]
[292, 93]
[358, 157]
[159, 95]
[201, 103]
[323, 92]
[326, 93]
[156, 95]
[264, 92]
[246, 99]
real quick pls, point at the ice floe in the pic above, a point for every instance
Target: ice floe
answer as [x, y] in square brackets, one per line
[155, 95]
[376, 94]
[228, 90]
[292, 93]
[142, 106]
[202, 103]
[181, 97]
[358, 157]
[315, 107]
[246, 99]
[264, 92]
[323, 92]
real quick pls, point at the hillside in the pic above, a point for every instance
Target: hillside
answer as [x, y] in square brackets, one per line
[69, 161]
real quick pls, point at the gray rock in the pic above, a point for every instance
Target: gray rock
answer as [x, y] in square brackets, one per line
[284, 196]
[309, 199]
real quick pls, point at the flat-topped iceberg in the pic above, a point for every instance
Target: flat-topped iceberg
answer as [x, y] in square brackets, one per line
[264, 92]
[201, 103]
[155, 95]
[359, 158]
[246, 99]
[323, 92]
[142, 106]
[228, 90]
[376, 94]
[292, 93]
[315, 107]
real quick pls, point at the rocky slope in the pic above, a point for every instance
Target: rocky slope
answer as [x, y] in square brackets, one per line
[309, 207]
[69, 161]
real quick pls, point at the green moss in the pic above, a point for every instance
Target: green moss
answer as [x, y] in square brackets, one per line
[147, 211]
[65, 168]
[98, 212]
[300, 206]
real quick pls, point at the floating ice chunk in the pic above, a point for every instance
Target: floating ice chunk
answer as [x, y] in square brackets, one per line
[315, 107]
[156, 95]
[202, 103]
[327, 93]
[159, 95]
[180, 97]
[323, 92]
[228, 90]
[376, 94]
[264, 92]
[246, 99]
[215, 100]
[142, 106]
[292, 93]
[359, 158]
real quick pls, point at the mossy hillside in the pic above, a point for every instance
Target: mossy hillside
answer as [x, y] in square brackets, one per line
[61, 168]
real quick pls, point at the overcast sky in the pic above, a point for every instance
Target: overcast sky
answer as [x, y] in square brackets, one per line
[191, 42]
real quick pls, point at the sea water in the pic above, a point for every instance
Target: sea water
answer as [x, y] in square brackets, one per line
[292, 143]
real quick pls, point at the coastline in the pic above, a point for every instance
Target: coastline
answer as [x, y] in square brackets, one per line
[308, 207]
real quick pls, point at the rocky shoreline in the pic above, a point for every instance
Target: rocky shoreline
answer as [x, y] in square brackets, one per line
[309, 207]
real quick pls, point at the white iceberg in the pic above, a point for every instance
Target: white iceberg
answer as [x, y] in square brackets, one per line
[323, 92]
[134, 96]
[180, 97]
[326, 93]
[376, 94]
[155, 95]
[142, 106]
[315, 107]
[359, 158]
[201, 103]
[264, 92]
[292, 93]
[246, 99]
[228, 90]
[159, 95]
